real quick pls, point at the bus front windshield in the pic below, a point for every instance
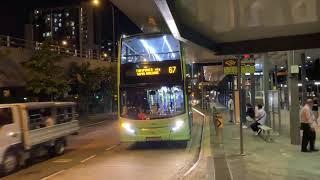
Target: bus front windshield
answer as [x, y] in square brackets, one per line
[149, 103]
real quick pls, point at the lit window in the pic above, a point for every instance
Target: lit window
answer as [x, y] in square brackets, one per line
[60, 15]
[72, 23]
[73, 33]
[37, 25]
[109, 49]
[56, 29]
[67, 14]
[55, 20]
[60, 25]
[109, 44]
[60, 20]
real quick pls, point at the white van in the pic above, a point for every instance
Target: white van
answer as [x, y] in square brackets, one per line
[32, 129]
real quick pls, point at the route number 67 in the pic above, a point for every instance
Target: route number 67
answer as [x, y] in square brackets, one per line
[172, 69]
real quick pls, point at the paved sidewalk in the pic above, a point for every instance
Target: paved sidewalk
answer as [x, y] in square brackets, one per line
[278, 160]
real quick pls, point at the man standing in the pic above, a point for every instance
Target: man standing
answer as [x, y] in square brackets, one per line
[231, 109]
[307, 120]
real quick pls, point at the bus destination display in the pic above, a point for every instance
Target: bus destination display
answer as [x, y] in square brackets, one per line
[155, 71]
[151, 72]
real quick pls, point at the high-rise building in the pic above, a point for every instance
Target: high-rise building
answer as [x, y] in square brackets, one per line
[74, 27]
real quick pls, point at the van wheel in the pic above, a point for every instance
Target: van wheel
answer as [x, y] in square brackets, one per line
[10, 163]
[59, 147]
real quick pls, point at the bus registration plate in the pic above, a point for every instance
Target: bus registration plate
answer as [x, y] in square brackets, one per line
[153, 138]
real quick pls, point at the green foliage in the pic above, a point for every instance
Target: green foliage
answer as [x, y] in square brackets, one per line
[44, 75]
[88, 80]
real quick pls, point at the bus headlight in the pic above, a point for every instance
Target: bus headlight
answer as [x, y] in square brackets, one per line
[177, 126]
[128, 127]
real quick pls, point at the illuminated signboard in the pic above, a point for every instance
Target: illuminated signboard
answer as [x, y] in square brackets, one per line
[155, 71]
[230, 66]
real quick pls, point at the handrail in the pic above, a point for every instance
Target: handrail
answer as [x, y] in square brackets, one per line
[14, 42]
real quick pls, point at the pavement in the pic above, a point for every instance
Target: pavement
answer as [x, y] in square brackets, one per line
[276, 160]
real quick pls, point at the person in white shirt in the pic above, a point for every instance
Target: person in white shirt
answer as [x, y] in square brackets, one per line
[307, 120]
[231, 109]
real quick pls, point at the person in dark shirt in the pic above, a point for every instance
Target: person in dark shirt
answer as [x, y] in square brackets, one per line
[250, 114]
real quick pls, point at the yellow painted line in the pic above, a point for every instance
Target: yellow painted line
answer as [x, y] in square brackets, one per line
[108, 149]
[88, 158]
[52, 175]
[62, 160]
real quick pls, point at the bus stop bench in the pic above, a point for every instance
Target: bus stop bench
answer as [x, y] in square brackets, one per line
[265, 132]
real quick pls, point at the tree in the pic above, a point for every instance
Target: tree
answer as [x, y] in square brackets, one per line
[45, 77]
[87, 81]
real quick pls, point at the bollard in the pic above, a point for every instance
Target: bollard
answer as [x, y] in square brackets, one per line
[219, 127]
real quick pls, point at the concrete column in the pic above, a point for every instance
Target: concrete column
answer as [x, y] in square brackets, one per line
[293, 59]
[266, 86]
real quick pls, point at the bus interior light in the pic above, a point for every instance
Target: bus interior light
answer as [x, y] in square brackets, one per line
[128, 127]
[177, 125]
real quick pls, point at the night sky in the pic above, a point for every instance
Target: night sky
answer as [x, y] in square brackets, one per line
[14, 14]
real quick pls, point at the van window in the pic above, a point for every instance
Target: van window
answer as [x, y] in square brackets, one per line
[5, 116]
[60, 115]
[69, 113]
[34, 119]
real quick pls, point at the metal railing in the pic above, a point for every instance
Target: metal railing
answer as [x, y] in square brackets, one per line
[13, 42]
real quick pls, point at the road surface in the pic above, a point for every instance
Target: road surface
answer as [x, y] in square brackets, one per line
[96, 153]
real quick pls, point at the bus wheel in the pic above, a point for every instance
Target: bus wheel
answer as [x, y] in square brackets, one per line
[10, 163]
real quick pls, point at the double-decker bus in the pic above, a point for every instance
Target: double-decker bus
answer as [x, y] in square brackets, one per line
[152, 103]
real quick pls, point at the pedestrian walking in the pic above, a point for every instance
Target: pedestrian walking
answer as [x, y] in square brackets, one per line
[231, 109]
[307, 120]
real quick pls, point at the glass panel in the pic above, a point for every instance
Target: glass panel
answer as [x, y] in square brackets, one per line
[149, 48]
[5, 116]
[152, 102]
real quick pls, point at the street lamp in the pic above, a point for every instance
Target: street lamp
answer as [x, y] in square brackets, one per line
[64, 42]
[96, 2]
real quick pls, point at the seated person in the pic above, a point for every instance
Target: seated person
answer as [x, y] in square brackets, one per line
[141, 115]
[154, 109]
[260, 119]
[50, 121]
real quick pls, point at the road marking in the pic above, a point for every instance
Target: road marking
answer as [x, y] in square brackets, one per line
[108, 149]
[52, 175]
[62, 160]
[88, 158]
[230, 172]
